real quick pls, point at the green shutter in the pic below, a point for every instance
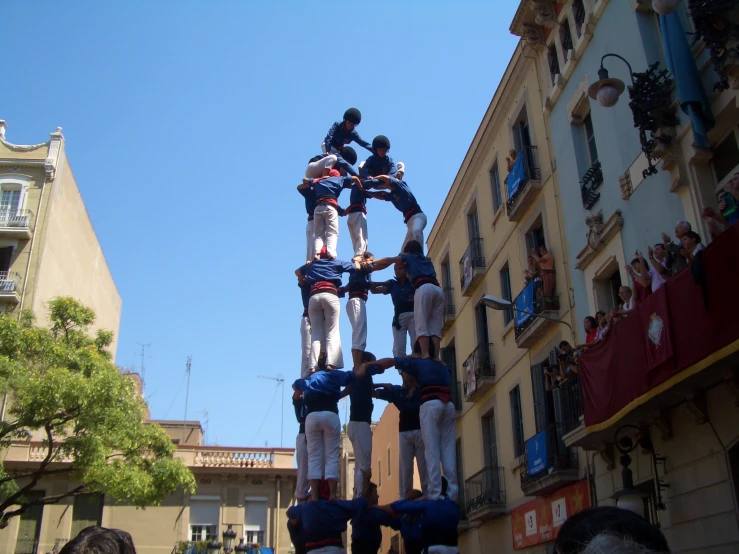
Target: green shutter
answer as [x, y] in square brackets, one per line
[29, 525]
[86, 512]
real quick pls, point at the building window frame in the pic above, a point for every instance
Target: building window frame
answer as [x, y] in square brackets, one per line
[517, 427]
[506, 291]
[494, 175]
[13, 183]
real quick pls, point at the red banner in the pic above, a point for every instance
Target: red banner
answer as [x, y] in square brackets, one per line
[698, 309]
[539, 520]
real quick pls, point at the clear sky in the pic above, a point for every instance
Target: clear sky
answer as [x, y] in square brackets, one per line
[189, 125]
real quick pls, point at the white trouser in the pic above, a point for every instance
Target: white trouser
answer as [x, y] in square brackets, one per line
[323, 434]
[323, 309]
[356, 309]
[428, 310]
[416, 224]
[357, 223]
[301, 454]
[437, 427]
[360, 433]
[439, 549]
[310, 241]
[411, 446]
[330, 550]
[315, 169]
[400, 167]
[305, 346]
[326, 229]
[400, 336]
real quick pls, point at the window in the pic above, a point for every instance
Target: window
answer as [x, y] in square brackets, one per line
[592, 149]
[565, 36]
[505, 293]
[606, 287]
[29, 526]
[87, 511]
[725, 156]
[578, 11]
[255, 520]
[204, 518]
[446, 274]
[489, 440]
[517, 419]
[543, 401]
[13, 190]
[446, 283]
[553, 62]
[481, 324]
[379, 473]
[535, 237]
[473, 225]
[388, 462]
[10, 201]
[495, 185]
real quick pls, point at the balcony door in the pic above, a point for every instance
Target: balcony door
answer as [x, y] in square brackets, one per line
[481, 324]
[489, 440]
[29, 525]
[10, 201]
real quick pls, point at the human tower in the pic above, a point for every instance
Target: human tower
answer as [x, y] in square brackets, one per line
[426, 420]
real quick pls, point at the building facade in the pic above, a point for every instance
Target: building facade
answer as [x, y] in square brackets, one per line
[48, 245]
[497, 212]
[245, 489]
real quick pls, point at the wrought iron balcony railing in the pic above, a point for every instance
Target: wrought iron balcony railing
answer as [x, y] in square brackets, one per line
[558, 457]
[9, 281]
[473, 259]
[590, 184]
[449, 308]
[485, 489]
[16, 219]
[531, 173]
[478, 365]
[568, 405]
[533, 298]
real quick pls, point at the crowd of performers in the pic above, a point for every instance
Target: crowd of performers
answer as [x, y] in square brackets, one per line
[427, 519]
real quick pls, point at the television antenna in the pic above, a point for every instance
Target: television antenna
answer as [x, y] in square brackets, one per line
[280, 381]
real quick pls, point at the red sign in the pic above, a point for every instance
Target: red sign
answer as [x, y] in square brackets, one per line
[539, 520]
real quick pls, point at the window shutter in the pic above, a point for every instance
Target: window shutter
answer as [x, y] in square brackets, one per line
[538, 386]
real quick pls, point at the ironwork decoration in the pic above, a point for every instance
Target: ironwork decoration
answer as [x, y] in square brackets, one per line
[589, 185]
[650, 103]
[625, 445]
[712, 23]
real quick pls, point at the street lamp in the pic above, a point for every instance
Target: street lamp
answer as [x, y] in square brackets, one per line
[664, 7]
[229, 537]
[213, 547]
[501, 304]
[242, 547]
[628, 497]
[649, 100]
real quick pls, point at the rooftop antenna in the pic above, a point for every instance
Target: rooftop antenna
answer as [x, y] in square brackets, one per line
[206, 418]
[143, 368]
[187, 397]
[280, 381]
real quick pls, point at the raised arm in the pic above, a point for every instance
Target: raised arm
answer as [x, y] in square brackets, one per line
[377, 288]
[305, 184]
[360, 141]
[383, 263]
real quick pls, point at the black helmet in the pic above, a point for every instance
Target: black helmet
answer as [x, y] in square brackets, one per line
[349, 155]
[353, 115]
[380, 141]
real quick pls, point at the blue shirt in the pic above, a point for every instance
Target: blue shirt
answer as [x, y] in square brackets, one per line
[418, 266]
[299, 408]
[357, 198]
[330, 186]
[305, 295]
[426, 371]
[401, 294]
[400, 195]
[439, 519]
[360, 396]
[297, 536]
[359, 279]
[321, 391]
[408, 408]
[326, 270]
[325, 519]
[339, 136]
[366, 526]
[375, 165]
[310, 200]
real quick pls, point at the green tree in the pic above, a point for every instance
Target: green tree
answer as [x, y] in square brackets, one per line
[61, 381]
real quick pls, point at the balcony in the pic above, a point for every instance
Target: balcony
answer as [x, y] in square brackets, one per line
[568, 407]
[479, 372]
[449, 309]
[679, 342]
[529, 327]
[549, 465]
[522, 192]
[590, 184]
[472, 266]
[484, 494]
[16, 225]
[10, 287]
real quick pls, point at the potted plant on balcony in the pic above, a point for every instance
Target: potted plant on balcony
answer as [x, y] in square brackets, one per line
[182, 547]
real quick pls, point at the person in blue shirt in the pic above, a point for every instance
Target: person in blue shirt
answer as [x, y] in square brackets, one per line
[399, 193]
[359, 429]
[379, 163]
[323, 276]
[410, 527]
[428, 300]
[356, 307]
[320, 165]
[407, 399]
[297, 535]
[366, 524]
[322, 522]
[305, 336]
[401, 291]
[439, 521]
[309, 195]
[437, 416]
[320, 394]
[301, 453]
[342, 133]
[326, 212]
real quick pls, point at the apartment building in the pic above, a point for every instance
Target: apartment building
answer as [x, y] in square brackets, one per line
[48, 245]
[512, 460]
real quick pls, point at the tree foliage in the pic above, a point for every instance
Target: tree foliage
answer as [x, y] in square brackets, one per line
[60, 381]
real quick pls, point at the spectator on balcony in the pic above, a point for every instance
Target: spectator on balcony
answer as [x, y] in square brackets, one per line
[552, 378]
[568, 360]
[401, 292]
[675, 260]
[545, 262]
[660, 271]
[715, 221]
[641, 279]
[691, 245]
[732, 187]
[591, 328]
[531, 272]
[603, 325]
[511, 159]
[628, 305]
[100, 540]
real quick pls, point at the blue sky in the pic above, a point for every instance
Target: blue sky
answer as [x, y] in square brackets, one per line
[189, 125]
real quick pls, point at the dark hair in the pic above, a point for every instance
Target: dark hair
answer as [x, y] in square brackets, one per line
[636, 261]
[592, 320]
[432, 349]
[100, 540]
[563, 344]
[661, 245]
[368, 357]
[413, 247]
[693, 235]
[581, 528]
[413, 494]
[600, 312]
[367, 255]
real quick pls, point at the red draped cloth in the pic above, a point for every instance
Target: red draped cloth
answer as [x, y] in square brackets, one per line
[692, 316]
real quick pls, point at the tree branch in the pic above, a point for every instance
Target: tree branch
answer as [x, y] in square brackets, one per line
[6, 516]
